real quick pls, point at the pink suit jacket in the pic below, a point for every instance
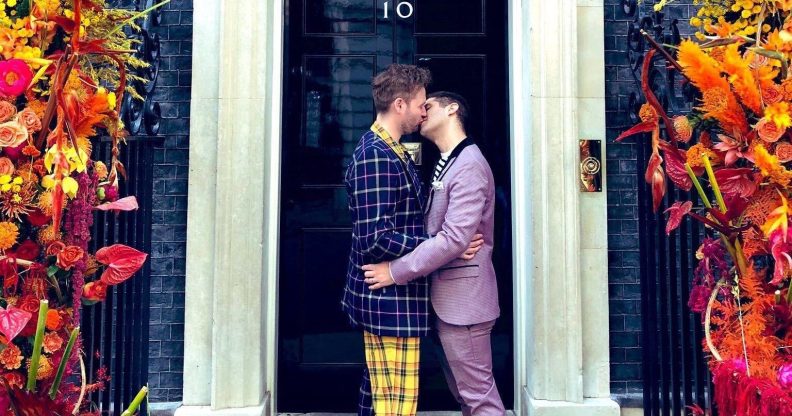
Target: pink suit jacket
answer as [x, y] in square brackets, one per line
[461, 204]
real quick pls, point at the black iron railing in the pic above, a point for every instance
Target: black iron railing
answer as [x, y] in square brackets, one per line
[675, 373]
[116, 331]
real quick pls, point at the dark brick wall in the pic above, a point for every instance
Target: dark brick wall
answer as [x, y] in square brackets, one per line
[169, 234]
[622, 178]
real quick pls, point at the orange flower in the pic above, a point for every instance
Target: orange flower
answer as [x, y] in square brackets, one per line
[7, 111]
[682, 128]
[783, 152]
[52, 342]
[720, 104]
[718, 101]
[696, 151]
[742, 78]
[8, 235]
[772, 92]
[11, 357]
[770, 166]
[702, 70]
[6, 166]
[54, 321]
[67, 257]
[769, 131]
[45, 369]
[778, 113]
[31, 150]
[29, 119]
[647, 113]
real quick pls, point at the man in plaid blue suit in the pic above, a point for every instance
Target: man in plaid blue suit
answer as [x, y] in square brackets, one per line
[386, 202]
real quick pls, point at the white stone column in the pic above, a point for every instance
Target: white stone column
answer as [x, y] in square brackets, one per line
[232, 216]
[561, 302]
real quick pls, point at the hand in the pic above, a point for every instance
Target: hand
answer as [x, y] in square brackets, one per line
[378, 275]
[473, 248]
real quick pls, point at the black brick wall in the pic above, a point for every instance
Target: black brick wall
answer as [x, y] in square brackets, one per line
[622, 178]
[169, 234]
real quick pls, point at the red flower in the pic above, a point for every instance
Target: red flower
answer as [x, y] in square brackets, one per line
[69, 256]
[28, 250]
[15, 76]
[38, 218]
[95, 291]
[54, 248]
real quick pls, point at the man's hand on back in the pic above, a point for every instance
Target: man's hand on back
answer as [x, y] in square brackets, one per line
[378, 275]
[473, 248]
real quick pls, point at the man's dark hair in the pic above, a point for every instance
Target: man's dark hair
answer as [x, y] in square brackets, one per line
[444, 98]
[398, 81]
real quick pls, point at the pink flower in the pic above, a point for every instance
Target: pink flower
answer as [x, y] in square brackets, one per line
[781, 248]
[731, 147]
[15, 77]
[785, 375]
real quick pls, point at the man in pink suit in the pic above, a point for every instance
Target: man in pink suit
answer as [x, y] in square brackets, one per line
[463, 293]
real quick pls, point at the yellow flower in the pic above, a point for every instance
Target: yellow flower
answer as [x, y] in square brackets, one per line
[778, 113]
[8, 235]
[70, 186]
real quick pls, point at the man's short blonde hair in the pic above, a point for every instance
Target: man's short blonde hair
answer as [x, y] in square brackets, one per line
[398, 81]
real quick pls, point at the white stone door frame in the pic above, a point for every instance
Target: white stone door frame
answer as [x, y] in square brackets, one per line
[560, 257]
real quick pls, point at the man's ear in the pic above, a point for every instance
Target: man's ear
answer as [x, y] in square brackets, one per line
[398, 105]
[452, 108]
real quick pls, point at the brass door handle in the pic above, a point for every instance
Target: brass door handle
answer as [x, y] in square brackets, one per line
[590, 166]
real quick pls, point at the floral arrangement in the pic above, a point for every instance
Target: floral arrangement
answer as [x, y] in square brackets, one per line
[62, 79]
[735, 148]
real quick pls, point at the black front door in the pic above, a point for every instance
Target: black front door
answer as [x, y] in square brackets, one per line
[333, 49]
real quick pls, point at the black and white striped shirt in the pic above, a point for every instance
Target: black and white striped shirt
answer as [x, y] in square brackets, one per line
[440, 166]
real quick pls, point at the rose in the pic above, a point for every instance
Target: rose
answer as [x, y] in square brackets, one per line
[95, 291]
[768, 131]
[7, 111]
[54, 248]
[783, 152]
[29, 119]
[772, 93]
[15, 77]
[12, 134]
[70, 255]
[6, 166]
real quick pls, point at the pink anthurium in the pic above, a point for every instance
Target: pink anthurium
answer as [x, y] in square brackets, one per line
[124, 204]
[677, 213]
[122, 262]
[781, 247]
[12, 321]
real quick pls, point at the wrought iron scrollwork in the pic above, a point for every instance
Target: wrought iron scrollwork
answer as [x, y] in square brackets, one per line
[143, 117]
[663, 78]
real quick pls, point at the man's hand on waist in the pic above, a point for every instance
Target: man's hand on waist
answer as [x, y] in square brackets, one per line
[378, 275]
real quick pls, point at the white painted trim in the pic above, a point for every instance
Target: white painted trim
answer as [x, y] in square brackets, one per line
[272, 237]
[521, 207]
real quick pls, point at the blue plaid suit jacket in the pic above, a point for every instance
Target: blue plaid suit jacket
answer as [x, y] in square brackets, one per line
[386, 203]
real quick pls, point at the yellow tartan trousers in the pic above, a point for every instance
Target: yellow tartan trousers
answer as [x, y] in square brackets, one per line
[393, 367]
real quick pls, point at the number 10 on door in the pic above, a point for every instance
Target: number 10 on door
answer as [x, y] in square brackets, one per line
[403, 9]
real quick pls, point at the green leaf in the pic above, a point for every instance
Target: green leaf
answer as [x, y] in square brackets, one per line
[51, 270]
